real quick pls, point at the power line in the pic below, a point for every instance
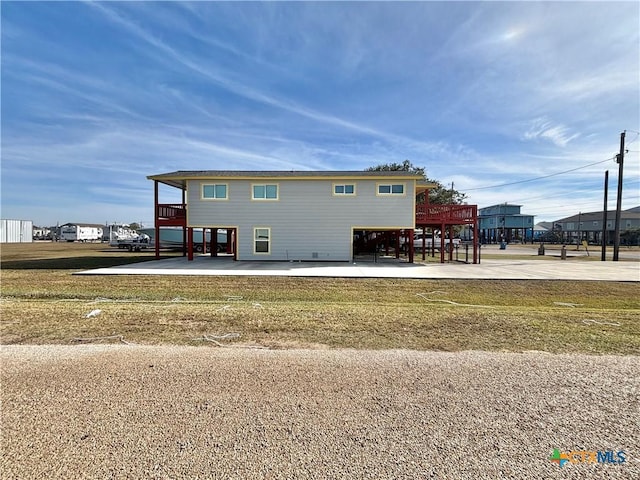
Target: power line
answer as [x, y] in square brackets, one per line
[636, 138]
[539, 178]
[566, 192]
[573, 195]
[562, 194]
[594, 205]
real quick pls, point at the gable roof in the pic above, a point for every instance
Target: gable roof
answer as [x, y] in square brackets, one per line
[179, 178]
[542, 226]
[629, 214]
[82, 224]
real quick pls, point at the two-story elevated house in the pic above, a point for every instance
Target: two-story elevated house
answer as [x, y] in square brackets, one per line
[291, 215]
[504, 222]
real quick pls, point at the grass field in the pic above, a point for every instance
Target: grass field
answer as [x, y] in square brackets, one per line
[42, 302]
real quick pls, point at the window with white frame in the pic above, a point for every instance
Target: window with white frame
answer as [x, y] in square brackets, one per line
[217, 191]
[262, 240]
[344, 189]
[391, 189]
[265, 192]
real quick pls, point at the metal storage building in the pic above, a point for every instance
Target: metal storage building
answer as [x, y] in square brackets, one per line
[16, 231]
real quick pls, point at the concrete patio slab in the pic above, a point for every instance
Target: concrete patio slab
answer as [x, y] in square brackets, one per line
[500, 269]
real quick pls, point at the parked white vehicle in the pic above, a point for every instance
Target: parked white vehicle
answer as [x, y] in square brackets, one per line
[135, 243]
[119, 233]
[77, 233]
[417, 242]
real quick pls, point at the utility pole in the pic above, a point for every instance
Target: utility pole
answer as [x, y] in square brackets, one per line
[579, 229]
[620, 161]
[603, 256]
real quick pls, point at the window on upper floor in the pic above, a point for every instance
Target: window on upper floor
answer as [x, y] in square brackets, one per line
[391, 189]
[216, 191]
[265, 192]
[346, 189]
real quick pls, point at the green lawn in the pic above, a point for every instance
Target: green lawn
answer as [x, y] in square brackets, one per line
[42, 302]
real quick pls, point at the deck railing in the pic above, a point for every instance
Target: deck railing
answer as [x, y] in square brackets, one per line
[176, 211]
[448, 214]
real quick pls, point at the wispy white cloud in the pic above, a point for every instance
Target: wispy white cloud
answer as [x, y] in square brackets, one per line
[544, 129]
[236, 86]
[478, 93]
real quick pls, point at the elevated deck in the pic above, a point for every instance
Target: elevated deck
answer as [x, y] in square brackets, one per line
[436, 215]
[171, 215]
[444, 218]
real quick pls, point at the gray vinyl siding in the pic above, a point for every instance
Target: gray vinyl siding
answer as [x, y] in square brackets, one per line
[307, 221]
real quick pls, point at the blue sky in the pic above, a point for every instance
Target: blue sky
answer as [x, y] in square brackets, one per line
[96, 96]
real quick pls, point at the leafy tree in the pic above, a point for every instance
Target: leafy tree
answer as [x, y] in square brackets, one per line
[630, 237]
[405, 166]
[134, 226]
[551, 236]
[439, 195]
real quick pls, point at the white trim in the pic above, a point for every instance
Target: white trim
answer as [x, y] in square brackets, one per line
[391, 185]
[343, 194]
[258, 199]
[214, 198]
[255, 240]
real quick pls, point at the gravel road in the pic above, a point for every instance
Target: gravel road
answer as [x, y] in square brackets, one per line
[169, 412]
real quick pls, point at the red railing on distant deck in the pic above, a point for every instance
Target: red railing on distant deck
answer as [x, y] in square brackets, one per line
[447, 214]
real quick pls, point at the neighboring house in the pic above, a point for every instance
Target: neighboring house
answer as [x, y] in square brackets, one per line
[504, 222]
[589, 226]
[542, 229]
[292, 215]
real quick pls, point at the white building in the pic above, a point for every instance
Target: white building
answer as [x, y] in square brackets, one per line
[16, 231]
[76, 232]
